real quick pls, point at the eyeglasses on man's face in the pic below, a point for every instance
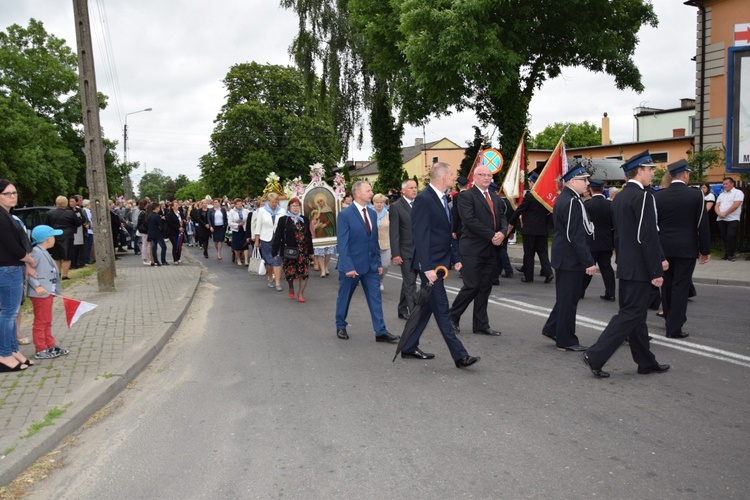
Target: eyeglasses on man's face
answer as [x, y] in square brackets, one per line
[10, 194]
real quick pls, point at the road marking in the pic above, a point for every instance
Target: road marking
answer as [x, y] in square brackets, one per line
[595, 324]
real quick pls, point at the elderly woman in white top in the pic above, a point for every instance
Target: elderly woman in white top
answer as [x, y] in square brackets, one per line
[267, 218]
[384, 239]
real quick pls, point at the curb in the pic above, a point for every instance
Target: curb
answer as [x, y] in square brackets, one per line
[48, 438]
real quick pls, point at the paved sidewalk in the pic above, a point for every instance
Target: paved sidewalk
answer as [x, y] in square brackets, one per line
[715, 272]
[109, 347]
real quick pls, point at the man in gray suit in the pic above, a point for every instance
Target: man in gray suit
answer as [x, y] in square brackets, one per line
[402, 245]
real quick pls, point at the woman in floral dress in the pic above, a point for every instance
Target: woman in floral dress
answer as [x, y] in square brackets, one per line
[293, 232]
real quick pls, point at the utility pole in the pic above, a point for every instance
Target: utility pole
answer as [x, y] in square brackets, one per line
[96, 175]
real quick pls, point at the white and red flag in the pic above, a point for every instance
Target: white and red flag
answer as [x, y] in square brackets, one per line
[513, 181]
[74, 309]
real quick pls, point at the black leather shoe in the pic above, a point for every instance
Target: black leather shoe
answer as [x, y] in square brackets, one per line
[524, 280]
[506, 275]
[403, 316]
[466, 361]
[496, 282]
[519, 269]
[418, 354]
[653, 369]
[572, 348]
[456, 328]
[597, 372]
[549, 278]
[341, 333]
[604, 297]
[489, 331]
[680, 335]
[387, 337]
[553, 338]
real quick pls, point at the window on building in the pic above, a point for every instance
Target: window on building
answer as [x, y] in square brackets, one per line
[613, 157]
[540, 165]
[691, 126]
[578, 157]
[435, 159]
[660, 157]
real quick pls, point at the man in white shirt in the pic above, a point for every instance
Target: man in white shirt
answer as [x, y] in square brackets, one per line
[728, 209]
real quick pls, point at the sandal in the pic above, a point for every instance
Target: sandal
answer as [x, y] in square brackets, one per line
[278, 288]
[24, 341]
[301, 299]
[5, 368]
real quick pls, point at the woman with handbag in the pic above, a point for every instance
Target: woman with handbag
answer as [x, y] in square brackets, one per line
[175, 229]
[293, 241]
[268, 219]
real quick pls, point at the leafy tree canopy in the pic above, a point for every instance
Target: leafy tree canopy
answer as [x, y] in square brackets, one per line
[267, 124]
[579, 135]
[193, 190]
[152, 185]
[491, 56]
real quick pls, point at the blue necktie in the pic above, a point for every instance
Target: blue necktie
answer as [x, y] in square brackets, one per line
[447, 210]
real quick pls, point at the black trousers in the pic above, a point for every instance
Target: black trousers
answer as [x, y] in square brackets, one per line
[478, 275]
[176, 249]
[603, 259]
[674, 293]
[728, 230]
[408, 288]
[535, 245]
[629, 323]
[561, 322]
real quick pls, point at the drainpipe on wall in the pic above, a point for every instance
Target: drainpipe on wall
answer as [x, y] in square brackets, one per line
[702, 8]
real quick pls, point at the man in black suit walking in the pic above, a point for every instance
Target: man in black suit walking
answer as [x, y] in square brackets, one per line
[571, 259]
[601, 243]
[434, 246]
[483, 230]
[684, 233]
[640, 264]
[535, 233]
[402, 245]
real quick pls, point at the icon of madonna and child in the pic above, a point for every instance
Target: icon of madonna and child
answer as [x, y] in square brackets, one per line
[320, 209]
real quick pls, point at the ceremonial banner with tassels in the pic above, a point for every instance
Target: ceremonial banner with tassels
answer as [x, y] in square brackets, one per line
[545, 189]
[513, 181]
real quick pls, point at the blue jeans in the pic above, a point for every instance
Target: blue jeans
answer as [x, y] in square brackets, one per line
[11, 291]
[89, 245]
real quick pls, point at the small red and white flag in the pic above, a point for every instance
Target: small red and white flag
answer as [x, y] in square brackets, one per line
[74, 309]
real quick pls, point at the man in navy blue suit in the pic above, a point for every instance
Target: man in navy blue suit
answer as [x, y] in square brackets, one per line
[359, 260]
[434, 246]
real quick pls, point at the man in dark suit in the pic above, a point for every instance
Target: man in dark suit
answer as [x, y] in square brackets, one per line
[601, 243]
[434, 246]
[684, 233]
[402, 245]
[504, 268]
[535, 233]
[483, 230]
[359, 260]
[640, 264]
[571, 259]
[463, 186]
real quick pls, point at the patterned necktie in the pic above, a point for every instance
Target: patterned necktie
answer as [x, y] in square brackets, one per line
[492, 209]
[447, 210]
[367, 221]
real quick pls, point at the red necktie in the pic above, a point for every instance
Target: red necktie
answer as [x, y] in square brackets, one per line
[492, 209]
[367, 221]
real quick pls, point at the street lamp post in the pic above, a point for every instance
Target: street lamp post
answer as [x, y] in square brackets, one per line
[125, 134]
[127, 183]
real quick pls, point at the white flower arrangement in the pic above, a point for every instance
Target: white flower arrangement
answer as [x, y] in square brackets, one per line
[294, 188]
[272, 177]
[339, 186]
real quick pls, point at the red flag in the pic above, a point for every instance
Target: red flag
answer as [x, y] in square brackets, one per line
[513, 181]
[477, 162]
[74, 309]
[545, 189]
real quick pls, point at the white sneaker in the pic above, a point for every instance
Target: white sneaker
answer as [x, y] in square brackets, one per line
[46, 354]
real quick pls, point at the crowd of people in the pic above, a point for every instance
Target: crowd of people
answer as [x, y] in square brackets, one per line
[446, 224]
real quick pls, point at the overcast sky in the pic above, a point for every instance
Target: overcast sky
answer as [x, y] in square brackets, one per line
[172, 56]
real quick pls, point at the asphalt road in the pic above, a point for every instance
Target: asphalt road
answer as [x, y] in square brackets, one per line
[255, 397]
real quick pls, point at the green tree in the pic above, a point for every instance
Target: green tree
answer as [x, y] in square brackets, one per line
[193, 190]
[32, 154]
[470, 153]
[152, 185]
[169, 189]
[579, 135]
[703, 161]
[492, 56]
[386, 142]
[180, 182]
[267, 124]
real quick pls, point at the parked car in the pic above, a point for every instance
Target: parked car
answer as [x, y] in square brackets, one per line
[32, 216]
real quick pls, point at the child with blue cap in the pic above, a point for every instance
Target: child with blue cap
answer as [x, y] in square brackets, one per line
[40, 290]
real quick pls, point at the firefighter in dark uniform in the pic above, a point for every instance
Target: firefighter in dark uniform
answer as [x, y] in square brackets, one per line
[535, 233]
[640, 263]
[571, 259]
[601, 243]
[684, 234]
